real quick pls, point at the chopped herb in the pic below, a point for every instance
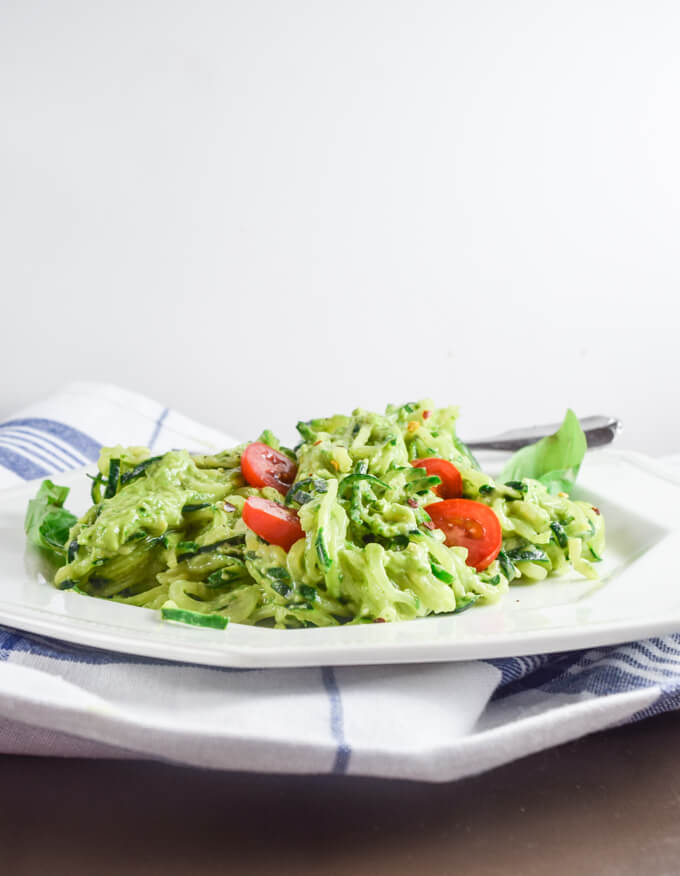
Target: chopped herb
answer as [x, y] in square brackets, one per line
[465, 602]
[159, 539]
[72, 551]
[190, 549]
[520, 486]
[321, 550]
[530, 555]
[291, 454]
[279, 573]
[282, 589]
[215, 579]
[507, 566]
[308, 593]
[560, 534]
[355, 478]
[138, 470]
[112, 480]
[186, 547]
[197, 506]
[440, 573]
[96, 488]
[227, 574]
[486, 490]
[422, 485]
[306, 432]
[298, 491]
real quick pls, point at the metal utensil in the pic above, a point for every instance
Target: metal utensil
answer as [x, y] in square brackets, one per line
[599, 430]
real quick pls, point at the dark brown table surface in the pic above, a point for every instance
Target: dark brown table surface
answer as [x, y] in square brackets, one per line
[606, 804]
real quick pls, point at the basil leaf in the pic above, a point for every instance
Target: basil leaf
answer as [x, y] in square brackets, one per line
[269, 438]
[554, 460]
[47, 522]
[55, 528]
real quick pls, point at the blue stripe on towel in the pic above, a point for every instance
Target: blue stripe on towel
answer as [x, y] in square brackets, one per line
[70, 652]
[158, 425]
[8, 641]
[619, 669]
[47, 444]
[21, 465]
[598, 671]
[23, 446]
[337, 717]
[81, 442]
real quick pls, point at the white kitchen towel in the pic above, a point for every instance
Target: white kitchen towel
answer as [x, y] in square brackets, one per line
[432, 722]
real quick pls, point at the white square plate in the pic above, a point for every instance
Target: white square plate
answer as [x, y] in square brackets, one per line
[638, 595]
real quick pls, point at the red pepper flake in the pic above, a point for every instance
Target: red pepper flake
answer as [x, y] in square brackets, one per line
[596, 510]
[428, 524]
[316, 443]
[412, 502]
[427, 415]
[379, 620]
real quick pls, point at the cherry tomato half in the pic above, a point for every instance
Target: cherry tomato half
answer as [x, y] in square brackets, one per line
[469, 524]
[451, 486]
[262, 466]
[272, 522]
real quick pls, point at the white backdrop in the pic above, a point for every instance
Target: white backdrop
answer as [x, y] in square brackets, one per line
[263, 211]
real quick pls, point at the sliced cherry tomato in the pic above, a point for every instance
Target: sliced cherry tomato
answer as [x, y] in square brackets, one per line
[451, 486]
[469, 524]
[262, 466]
[272, 522]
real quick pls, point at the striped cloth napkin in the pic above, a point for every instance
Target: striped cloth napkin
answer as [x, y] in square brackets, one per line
[431, 722]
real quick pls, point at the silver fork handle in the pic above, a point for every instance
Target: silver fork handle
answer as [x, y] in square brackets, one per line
[599, 430]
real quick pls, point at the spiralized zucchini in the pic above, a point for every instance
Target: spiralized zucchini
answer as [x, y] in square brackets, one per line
[167, 530]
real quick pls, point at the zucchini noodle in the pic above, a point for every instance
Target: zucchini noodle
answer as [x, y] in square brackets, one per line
[167, 532]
